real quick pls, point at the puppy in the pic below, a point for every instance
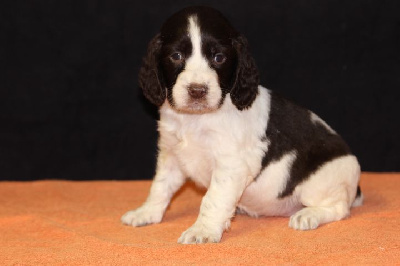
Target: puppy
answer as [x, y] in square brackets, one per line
[255, 151]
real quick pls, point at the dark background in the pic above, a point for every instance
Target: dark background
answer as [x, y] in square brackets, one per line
[70, 106]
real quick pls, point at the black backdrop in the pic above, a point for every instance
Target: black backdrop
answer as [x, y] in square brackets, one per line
[70, 106]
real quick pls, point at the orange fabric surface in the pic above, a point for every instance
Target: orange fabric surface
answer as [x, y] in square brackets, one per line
[77, 223]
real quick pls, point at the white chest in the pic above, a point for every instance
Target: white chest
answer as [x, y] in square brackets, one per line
[196, 157]
[224, 140]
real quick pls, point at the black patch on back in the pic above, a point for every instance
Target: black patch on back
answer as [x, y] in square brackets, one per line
[290, 129]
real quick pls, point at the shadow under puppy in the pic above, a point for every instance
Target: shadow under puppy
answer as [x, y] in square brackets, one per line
[255, 151]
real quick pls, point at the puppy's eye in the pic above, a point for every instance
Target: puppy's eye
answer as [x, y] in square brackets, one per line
[176, 57]
[219, 58]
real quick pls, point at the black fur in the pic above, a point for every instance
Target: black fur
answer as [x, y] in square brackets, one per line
[290, 129]
[244, 90]
[150, 79]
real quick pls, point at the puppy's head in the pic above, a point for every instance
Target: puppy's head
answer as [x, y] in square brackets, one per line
[195, 61]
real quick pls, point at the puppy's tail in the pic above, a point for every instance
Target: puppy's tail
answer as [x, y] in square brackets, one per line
[359, 198]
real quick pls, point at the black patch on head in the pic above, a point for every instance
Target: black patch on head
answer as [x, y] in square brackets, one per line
[175, 39]
[169, 69]
[226, 71]
[290, 129]
[217, 37]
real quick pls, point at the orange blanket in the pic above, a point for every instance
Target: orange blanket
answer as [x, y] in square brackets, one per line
[77, 223]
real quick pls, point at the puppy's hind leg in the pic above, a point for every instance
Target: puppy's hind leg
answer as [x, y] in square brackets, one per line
[311, 217]
[328, 194]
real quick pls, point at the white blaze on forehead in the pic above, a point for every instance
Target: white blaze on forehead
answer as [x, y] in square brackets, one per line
[194, 33]
[196, 59]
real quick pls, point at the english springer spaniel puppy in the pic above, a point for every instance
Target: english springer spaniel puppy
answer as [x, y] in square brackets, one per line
[256, 152]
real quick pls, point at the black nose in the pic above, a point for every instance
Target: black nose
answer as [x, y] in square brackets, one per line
[197, 90]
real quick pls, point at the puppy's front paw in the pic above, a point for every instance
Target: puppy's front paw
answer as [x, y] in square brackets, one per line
[142, 216]
[305, 219]
[199, 234]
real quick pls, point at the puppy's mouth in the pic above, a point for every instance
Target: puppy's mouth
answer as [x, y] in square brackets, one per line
[197, 106]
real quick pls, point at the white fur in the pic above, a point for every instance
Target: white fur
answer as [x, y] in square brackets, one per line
[216, 151]
[328, 200]
[262, 196]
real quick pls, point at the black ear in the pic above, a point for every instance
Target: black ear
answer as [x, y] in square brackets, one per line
[245, 87]
[150, 79]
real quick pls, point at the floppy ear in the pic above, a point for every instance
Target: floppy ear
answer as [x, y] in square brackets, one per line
[245, 87]
[150, 79]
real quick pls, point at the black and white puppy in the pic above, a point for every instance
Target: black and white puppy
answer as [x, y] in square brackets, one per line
[255, 151]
